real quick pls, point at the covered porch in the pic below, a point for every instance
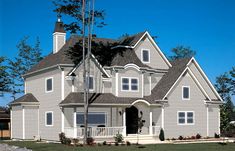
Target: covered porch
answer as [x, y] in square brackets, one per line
[107, 120]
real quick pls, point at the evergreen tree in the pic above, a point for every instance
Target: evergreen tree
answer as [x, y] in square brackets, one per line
[27, 57]
[4, 79]
[182, 52]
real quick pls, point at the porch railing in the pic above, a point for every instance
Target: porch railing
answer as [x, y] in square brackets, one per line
[93, 131]
[156, 130]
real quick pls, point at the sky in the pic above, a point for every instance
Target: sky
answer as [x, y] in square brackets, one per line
[207, 26]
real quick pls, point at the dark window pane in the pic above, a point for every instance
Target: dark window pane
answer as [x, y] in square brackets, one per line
[134, 81]
[145, 56]
[181, 121]
[186, 92]
[49, 84]
[190, 120]
[181, 114]
[125, 80]
[190, 114]
[125, 87]
[91, 83]
[134, 87]
[49, 119]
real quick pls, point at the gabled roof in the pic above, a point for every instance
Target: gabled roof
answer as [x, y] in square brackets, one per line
[168, 80]
[100, 98]
[27, 98]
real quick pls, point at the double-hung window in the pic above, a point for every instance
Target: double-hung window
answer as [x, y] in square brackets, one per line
[49, 84]
[145, 56]
[130, 84]
[49, 118]
[186, 93]
[185, 117]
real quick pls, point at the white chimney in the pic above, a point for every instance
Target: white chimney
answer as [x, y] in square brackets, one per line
[59, 36]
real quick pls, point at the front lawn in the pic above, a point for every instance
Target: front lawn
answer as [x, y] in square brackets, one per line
[157, 147]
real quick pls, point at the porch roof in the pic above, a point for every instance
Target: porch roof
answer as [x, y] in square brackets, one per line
[102, 98]
[28, 98]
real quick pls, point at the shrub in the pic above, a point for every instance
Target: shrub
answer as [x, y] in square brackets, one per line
[104, 143]
[118, 138]
[193, 137]
[90, 141]
[173, 139]
[62, 138]
[168, 139]
[180, 137]
[67, 141]
[99, 144]
[75, 141]
[116, 144]
[161, 135]
[198, 136]
[217, 135]
[128, 143]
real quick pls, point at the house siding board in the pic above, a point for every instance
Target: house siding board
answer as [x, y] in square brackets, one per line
[68, 117]
[157, 115]
[67, 83]
[175, 104]
[129, 73]
[48, 102]
[95, 72]
[213, 120]
[156, 61]
[17, 122]
[31, 122]
[147, 89]
[202, 81]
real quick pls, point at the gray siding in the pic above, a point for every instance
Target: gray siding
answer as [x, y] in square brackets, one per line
[175, 104]
[17, 122]
[157, 115]
[156, 60]
[48, 102]
[202, 81]
[130, 72]
[213, 120]
[67, 83]
[31, 122]
[95, 72]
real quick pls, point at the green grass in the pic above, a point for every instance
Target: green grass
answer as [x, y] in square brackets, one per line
[157, 147]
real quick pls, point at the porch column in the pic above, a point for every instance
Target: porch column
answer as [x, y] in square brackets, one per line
[162, 116]
[207, 120]
[62, 120]
[75, 123]
[124, 122]
[150, 122]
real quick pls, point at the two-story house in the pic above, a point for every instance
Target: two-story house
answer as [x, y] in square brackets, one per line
[176, 96]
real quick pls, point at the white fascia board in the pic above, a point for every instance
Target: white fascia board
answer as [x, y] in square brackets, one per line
[101, 104]
[205, 77]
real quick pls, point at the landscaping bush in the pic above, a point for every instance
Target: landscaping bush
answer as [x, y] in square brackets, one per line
[193, 137]
[104, 143]
[64, 139]
[217, 135]
[180, 137]
[128, 143]
[75, 141]
[90, 141]
[161, 135]
[118, 138]
[116, 144]
[198, 136]
[173, 139]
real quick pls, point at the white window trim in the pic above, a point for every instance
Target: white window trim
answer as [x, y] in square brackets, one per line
[105, 114]
[142, 59]
[183, 92]
[130, 84]
[93, 83]
[51, 84]
[52, 118]
[186, 117]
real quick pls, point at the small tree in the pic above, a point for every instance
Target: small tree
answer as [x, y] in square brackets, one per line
[161, 135]
[4, 77]
[182, 52]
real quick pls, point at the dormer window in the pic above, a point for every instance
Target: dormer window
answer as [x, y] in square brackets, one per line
[145, 56]
[130, 84]
[91, 83]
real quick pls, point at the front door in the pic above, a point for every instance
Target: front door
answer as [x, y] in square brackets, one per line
[131, 120]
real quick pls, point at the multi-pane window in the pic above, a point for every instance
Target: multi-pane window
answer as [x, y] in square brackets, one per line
[49, 118]
[185, 117]
[90, 80]
[94, 118]
[186, 93]
[145, 56]
[130, 84]
[49, 85]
